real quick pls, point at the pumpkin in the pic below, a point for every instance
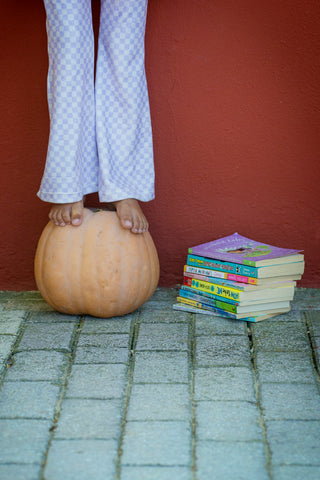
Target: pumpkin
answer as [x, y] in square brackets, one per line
[98, 268]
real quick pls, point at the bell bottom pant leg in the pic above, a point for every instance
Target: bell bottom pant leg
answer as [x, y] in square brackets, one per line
[123, 124]
[72, 164]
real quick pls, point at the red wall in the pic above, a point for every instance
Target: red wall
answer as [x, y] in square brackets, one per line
[235, 103]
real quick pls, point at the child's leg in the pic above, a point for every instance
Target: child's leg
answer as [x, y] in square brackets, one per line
[71, 167]
[124, 133]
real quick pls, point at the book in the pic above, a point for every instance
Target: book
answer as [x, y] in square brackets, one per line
[214, 264]
[244, 251]
[294, 268]
[285, 292]
[240, 278]
[228, 307]
[279, 279]
[211, 296]
[208, 295]
[191, 309]
[238, 285]
[236, 316]
[225, 275]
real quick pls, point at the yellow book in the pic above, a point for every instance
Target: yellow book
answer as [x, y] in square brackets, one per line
[283, 292]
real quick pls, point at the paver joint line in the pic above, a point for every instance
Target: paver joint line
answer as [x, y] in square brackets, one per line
[258, 401]
[134, 332]
[192, 360]
[57, 408]
[313, 346]
[9, 360]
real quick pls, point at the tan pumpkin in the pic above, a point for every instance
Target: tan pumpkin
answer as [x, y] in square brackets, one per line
[98, 268]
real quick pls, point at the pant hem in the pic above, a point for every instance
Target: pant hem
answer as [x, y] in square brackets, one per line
[116, 198]
[56, 197]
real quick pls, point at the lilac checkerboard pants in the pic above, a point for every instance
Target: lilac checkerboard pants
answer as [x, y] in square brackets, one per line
[100, 133]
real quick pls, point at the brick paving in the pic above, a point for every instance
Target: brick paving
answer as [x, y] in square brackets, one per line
[158, 394]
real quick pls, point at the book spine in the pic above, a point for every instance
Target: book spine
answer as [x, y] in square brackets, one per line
[217, 274]
[228, 267]
[228, 307]
[216, 281]
[221, 291]
[203, 306]
[189, 308]
[207, 295]
[242, 279]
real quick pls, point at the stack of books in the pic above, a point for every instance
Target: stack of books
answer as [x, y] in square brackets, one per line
[239, 278]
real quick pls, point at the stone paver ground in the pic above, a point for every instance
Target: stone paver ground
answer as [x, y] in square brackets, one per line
[158, 394]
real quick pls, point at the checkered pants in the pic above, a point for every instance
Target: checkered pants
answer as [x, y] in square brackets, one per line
[100, 132]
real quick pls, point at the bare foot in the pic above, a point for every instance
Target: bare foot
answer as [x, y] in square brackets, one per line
[63, 214]
[131, 215]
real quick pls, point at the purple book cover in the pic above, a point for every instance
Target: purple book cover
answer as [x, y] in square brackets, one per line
[238, 249]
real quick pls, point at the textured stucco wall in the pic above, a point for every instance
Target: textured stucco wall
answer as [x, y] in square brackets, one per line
[235, 103]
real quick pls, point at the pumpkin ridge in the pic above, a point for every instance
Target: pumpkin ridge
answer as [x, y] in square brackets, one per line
[138, 254]
[106, 228]
[99, 240]
[95, 263]
[59, 258]
[80, 246]
[39, 262]
[89, 264]
[69, 283]
[74, 257]
[154, 266]
[52, 239]
[126, 282]
[144, 287]
[147, 294]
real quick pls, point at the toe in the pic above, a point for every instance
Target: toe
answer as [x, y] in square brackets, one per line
[140, 224]
[65, 215]
[77, 214]
[59, 219]
[135, 225]
[126, 222]
[145, 224]
[53, 215]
